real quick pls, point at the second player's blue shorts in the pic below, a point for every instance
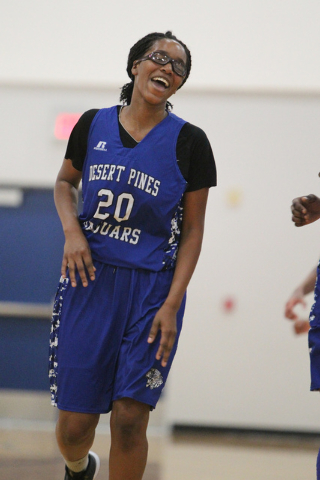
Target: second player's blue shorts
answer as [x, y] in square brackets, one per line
[314, 337]
[98, 345]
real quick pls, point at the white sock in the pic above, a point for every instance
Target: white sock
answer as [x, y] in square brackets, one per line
[79, 465]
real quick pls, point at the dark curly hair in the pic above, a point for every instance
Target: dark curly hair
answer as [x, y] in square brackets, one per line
[137, 51]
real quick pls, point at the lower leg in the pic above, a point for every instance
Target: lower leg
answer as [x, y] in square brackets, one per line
[129, 446]
[75, 434]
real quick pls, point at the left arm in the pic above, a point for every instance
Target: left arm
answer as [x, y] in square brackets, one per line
[187, 257]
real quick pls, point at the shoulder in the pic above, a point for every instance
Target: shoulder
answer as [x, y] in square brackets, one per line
[195, 140]
[191, 133]
[81, 129]
[194, 134]
[77, 144]
[86, 118]
[195, 152]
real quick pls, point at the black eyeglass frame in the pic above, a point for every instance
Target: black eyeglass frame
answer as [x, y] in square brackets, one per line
[174, 63]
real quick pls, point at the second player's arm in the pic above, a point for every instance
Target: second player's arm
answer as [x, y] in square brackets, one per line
[307, 286]
[305, 210]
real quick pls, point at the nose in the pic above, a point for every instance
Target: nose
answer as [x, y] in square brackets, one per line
[167, 67]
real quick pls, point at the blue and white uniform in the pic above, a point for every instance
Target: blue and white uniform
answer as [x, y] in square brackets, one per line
[132, 213]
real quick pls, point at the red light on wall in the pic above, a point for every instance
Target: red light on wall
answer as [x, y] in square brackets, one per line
[64, 125]
[229, 304]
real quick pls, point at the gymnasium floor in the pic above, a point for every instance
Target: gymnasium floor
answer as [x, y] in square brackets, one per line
[29, 453]
[28, 449]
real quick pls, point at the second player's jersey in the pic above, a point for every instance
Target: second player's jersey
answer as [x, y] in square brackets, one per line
[132, 197]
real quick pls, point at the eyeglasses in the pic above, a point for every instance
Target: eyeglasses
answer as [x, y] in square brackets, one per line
[162, 58]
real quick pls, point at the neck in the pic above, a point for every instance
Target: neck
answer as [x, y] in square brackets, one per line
[144, 114]
[138, 118]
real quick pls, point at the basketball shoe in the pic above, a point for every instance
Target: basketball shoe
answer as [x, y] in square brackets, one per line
[89, 474]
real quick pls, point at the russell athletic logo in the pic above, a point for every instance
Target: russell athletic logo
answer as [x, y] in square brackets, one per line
[101, 146]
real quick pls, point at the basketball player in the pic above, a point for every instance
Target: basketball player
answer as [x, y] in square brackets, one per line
[306, 210]
[128, 259]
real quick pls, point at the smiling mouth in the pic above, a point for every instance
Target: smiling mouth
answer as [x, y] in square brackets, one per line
[161, 81]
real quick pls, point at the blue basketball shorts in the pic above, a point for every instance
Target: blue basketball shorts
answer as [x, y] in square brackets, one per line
[314, 337]
[98, 342]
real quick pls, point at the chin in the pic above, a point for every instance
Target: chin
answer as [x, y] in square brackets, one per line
[156, 99]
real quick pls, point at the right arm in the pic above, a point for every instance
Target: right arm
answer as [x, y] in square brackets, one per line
[77, 254]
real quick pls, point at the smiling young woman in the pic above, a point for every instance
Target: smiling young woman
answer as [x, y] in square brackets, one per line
[128, 258]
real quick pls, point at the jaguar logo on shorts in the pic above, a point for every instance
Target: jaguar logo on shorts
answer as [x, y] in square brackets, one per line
[155, 378]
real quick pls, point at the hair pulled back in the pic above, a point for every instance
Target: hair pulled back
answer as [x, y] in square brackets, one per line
[137, 51]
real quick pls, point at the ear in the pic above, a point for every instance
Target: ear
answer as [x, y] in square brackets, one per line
[134, 69]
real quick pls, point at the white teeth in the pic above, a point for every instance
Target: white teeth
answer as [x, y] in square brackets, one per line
[163, 80]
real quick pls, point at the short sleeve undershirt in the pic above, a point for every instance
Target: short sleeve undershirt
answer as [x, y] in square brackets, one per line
[194, 153]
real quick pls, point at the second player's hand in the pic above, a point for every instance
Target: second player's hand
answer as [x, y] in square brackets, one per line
[166, 321]
[301, 326]
[77, 256]
[291, 303]
[305, 210]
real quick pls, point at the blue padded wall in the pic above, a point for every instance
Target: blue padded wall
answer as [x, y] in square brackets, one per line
[24, 353]
[31, 248]
[30, 259]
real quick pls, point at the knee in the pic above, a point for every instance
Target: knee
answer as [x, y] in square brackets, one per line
[129, 421]
[74, 429]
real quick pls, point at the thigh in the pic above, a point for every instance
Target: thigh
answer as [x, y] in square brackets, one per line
[89, 326]
[139, 375]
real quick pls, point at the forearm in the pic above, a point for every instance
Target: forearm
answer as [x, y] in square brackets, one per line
[66, 201]
[307, 286]
[76, 255]
[187, 258]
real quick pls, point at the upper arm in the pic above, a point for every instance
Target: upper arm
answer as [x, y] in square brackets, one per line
[69, 174]
[196, 158]
[71, 169]
[194, 209]
[78, 140]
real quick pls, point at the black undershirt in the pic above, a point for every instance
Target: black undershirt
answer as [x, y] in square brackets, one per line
[194, 153]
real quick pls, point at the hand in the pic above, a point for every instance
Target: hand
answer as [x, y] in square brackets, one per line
[301, 326]
[77, 256]
[294, 300]
[166, 321]
[305, 210]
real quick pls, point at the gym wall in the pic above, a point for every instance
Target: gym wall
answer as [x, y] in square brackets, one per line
[255, 90]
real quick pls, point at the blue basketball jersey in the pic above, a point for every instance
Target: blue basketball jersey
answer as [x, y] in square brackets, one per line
[132, 197]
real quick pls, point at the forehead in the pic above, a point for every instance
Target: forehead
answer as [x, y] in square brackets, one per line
[171, 47]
